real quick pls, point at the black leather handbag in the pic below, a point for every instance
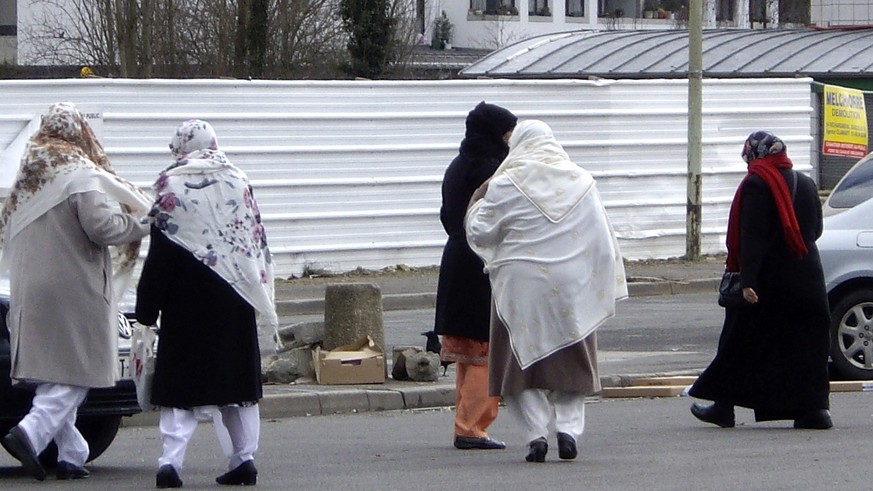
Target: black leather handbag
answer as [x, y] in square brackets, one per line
[730, 292]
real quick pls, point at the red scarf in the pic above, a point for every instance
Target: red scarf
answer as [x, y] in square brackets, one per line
[767, 169]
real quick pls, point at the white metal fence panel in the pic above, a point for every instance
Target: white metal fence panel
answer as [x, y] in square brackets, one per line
[348, 173]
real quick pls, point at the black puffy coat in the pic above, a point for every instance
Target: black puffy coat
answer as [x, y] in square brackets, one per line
[463, 306]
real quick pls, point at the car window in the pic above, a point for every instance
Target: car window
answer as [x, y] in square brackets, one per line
[856, 187]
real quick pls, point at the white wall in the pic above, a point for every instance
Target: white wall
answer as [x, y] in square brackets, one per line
[348, 173]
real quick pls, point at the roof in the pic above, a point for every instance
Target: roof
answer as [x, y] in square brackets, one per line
[817, 53]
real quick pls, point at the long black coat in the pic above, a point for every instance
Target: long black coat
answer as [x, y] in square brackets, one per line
[208, 345]
[772, 357]
[463, 305]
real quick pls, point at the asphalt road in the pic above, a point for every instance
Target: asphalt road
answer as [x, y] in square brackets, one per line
[655, 334]
[652, 444]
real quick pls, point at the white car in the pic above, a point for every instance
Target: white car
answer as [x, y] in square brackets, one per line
[846, 249]
[855, 187]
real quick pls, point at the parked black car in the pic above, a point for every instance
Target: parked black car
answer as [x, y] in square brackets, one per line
[99, 417]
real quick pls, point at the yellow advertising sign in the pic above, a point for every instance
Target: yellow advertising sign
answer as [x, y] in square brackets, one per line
[845, 122]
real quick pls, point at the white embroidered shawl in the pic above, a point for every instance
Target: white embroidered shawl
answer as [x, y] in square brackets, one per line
[549, 249]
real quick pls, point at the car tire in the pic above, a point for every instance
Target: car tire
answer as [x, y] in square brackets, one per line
[98, 432]
[851, 347]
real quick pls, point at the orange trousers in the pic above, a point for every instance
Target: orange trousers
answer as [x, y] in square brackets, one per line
[475, 409]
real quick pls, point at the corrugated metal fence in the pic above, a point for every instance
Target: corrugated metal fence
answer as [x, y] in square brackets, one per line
[348, 173]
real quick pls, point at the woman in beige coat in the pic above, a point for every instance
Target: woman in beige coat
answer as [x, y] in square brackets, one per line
[57, 226]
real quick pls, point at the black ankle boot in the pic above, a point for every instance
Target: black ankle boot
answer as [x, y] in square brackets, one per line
[815, 420]
[167, 477]
[538, 449]
[244, 474]
[716, 413]
[566, 446]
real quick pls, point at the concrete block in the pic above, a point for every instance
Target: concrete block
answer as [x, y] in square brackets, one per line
[423, 367]
[308, 332]
[352, 311]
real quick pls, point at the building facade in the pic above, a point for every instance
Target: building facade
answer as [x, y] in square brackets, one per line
[8, 32]
[495, 23]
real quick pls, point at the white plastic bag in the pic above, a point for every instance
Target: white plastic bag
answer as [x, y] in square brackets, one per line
[142, 363]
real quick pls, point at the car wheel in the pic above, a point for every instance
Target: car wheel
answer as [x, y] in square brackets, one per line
[98, 432]
[852, 335]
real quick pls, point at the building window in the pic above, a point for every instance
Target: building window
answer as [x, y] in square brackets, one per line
[724, 10]
[575, 8]
[616, 9]
[494, 7]
[539, 7]
[665, 9]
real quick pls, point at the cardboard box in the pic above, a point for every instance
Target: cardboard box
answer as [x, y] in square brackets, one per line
[361, 362]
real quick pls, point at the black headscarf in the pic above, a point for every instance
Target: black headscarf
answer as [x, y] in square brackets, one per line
[490, 121]
[486, 125]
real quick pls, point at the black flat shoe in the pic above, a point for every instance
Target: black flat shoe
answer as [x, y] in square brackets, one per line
[16, 443]
[473, 443]
[167, 477]
[717, 414]
[244, 474]
[815, 420]
[566, 447]
[538, 449]
[66, 470]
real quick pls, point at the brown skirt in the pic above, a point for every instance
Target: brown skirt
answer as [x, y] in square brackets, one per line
[571, 369]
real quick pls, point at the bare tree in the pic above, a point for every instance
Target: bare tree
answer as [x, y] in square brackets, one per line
[143, 38]
[499, 32]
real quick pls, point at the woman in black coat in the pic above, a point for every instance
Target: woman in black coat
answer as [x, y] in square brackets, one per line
[463, 306]
[208, 280]
[773, 353]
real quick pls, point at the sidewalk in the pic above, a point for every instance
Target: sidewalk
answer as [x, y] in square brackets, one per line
[415, 288]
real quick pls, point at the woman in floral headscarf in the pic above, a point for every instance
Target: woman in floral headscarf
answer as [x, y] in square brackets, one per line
[209, 278]
[772, 354]
[58, 225]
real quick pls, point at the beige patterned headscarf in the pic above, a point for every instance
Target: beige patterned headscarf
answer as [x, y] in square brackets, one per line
[63, 158]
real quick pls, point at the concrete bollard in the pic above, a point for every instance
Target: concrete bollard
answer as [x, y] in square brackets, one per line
[352, 311]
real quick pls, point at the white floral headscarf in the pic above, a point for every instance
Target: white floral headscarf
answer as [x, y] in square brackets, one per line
[205, 204]
[63, 158]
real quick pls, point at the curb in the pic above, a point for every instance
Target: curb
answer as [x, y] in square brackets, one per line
[427, 300]
[318, 400]
[301, 400]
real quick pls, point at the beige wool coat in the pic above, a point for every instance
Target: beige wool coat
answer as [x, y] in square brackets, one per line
[62, 317]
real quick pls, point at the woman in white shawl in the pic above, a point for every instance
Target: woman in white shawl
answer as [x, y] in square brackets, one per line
[555, 272]
[209, 278]
[60, 224]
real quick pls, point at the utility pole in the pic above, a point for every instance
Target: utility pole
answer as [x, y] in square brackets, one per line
[694, 207]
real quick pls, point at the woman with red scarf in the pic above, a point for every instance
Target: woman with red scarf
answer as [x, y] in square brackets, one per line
[773, 353]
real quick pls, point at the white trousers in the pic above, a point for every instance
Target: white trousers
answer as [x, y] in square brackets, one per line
[52, 416]
[237, 429]
[538, 410]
